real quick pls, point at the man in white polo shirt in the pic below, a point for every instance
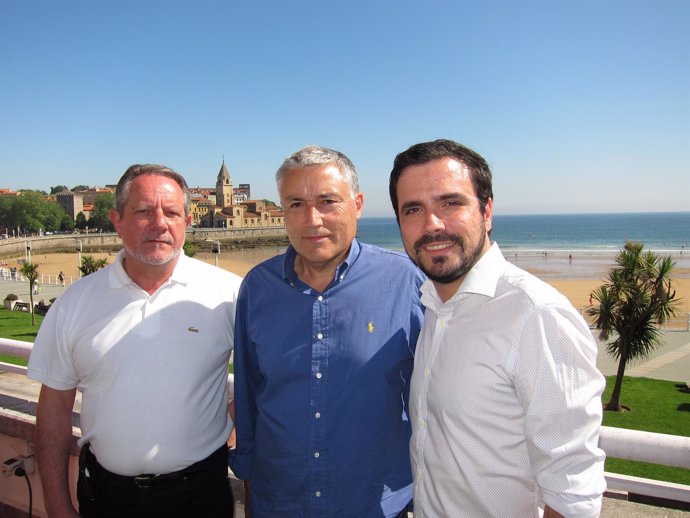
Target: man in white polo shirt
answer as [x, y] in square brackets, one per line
[147, 341]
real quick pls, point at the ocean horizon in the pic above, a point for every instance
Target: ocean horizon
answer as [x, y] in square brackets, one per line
[666, 232]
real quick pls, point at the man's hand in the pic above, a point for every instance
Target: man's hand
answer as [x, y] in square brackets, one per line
[550, 513]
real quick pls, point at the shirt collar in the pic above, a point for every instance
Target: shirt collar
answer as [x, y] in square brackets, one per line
[340, 272]
[119, 279]
[482, 279]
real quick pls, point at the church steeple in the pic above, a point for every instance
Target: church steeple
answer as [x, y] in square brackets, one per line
[224, 187]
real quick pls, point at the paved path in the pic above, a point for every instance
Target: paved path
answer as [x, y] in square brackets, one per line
[671, 358]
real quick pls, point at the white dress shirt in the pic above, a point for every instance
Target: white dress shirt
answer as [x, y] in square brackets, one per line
[505, 400]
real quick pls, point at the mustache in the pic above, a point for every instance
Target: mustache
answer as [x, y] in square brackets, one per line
[166, 238]
[430, 239]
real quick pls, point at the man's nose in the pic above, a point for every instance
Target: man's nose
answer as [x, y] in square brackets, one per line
[433, 222]
[313, 215]
[158, 219]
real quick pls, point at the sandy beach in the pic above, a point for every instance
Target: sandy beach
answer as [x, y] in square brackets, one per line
[575, 276]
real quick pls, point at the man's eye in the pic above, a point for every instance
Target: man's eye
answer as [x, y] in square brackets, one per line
[411, 210]
[295, 205]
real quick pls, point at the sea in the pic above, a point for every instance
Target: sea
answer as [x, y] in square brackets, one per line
[567, 245]
[667, 232]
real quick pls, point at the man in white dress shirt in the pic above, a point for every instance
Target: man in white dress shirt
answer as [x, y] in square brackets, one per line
[505, 394]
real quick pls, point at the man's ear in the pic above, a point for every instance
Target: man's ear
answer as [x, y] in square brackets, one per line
[359, 203]
[115, 220]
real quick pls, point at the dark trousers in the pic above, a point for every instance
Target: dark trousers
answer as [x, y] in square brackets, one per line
[202, 490]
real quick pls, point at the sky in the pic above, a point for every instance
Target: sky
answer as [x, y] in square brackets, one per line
[579, 106]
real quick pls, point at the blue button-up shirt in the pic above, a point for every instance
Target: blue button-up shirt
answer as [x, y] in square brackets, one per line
[321, 386]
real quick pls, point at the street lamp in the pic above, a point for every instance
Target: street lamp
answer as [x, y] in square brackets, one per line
[216, 250]
[79, 248]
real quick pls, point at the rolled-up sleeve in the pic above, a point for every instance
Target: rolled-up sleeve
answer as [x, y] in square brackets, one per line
[560, 389]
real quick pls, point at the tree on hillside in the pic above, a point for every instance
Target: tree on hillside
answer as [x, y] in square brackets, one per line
[90, 265]
[80, 187]
[30, 272]
[100, 217]
[66, 223]
[58, 188]
[80, 221]
[30, 212]
[637, 298]
[189, 249]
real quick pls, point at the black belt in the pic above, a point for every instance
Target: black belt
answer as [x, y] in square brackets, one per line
[146, 480]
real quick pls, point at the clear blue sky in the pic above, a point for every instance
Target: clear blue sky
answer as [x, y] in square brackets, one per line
[578, 105]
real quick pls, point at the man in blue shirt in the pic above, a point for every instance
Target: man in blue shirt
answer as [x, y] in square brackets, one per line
[324, 341]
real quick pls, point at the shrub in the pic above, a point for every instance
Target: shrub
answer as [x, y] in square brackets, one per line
[11, 296]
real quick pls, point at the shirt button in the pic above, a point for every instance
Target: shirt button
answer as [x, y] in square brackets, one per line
[317, 415]
[318, 375]
[421, 423]
[427, 371]
[318, 494]
[319, 336]
[320, 298]
[316, 454]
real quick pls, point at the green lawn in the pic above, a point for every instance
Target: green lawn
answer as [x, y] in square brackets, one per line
[17, 326]
[655, 405]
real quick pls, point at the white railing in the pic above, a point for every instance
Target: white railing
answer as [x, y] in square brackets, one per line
[15, 348]
[656, 448]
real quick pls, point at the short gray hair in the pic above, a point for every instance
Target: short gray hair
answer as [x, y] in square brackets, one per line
[319, 155]
[122, 189]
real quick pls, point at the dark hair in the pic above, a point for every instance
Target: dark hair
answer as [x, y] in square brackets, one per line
[442, 148]
[122, 189]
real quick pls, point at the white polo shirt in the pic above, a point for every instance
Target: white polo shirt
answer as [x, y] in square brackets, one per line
[152, 369]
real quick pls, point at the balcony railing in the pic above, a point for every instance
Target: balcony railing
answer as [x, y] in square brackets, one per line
[655, 448]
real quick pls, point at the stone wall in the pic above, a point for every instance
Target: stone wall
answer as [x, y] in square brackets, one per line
[97, 242]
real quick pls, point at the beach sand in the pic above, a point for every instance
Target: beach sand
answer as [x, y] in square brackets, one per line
[574, 278]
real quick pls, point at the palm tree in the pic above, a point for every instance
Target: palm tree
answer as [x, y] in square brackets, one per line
[90, 265]
[30, 272]
[637, 298]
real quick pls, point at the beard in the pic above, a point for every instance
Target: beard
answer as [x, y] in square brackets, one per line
[156, 257]
[454, 265]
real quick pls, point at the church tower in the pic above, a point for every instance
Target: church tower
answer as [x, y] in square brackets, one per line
[224, 187]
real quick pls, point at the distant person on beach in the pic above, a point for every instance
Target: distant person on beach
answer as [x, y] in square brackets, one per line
[506, 396]
[324, 345]
[147, 341]
[61, 278]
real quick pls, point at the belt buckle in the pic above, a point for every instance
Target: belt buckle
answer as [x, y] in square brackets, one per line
[145, 481]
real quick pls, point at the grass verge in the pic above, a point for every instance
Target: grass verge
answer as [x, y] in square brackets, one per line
[655, 406]
[17, 326]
